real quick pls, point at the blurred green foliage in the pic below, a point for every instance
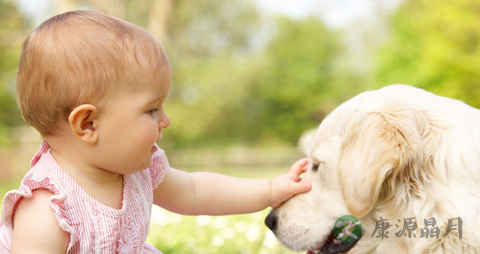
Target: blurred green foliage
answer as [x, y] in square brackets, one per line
[227, 90]
[213, 234]
[254, 98]
[294, 81]
[12, 27]
[435, 45]
[207, 29]
[208, 45]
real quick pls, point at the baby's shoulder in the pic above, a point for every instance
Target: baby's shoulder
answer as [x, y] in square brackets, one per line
[35, 222]
[33, 208]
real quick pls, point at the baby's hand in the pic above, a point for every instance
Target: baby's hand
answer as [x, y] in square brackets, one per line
[288, 185]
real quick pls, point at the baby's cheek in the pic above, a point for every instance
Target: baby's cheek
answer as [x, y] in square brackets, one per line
[151, 134]
[148, 129]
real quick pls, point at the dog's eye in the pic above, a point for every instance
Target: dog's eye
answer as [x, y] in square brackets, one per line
[315, 167]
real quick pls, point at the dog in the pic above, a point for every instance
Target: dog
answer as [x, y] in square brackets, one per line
[403, 161]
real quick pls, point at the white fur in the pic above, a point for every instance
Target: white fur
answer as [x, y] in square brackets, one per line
[395, 153]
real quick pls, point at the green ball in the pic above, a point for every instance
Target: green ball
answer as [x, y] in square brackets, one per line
[347, 229]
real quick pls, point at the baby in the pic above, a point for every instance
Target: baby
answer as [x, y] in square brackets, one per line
[94, 87]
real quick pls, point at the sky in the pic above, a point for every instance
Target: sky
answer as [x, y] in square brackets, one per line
[335, 13]
[38, 10]
[364, 23]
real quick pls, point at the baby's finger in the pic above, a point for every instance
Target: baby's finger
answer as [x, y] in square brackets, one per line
[301, 187]
[298, 167]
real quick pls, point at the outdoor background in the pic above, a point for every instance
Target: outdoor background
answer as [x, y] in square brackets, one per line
[250, 77]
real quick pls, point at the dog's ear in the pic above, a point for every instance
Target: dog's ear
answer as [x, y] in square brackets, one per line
[305, 140]
[379, 149]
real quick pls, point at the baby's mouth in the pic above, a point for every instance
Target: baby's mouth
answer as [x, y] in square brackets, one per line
[159, 137]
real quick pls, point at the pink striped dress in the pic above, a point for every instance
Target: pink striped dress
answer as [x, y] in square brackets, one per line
[93, 227]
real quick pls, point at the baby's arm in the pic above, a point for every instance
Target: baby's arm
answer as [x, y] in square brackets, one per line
[36, 228]
[215, 194]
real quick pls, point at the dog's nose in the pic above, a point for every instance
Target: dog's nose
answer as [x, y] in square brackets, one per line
[271, 221]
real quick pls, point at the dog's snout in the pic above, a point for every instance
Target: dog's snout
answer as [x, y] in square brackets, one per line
[271, 221]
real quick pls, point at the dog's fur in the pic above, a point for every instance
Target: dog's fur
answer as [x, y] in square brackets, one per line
[395, 153]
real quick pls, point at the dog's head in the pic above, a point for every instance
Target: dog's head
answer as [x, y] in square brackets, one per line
[360, 157]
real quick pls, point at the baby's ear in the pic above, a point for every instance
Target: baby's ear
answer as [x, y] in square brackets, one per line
[82, 121]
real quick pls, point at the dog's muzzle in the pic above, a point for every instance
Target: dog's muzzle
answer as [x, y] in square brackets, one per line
[330, 246]
[271, 221]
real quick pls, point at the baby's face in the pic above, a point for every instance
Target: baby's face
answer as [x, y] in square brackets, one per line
[132, 123]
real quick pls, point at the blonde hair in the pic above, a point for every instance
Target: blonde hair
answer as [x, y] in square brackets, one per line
[81, 57]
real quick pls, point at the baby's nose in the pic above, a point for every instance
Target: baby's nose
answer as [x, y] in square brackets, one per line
[164, 122]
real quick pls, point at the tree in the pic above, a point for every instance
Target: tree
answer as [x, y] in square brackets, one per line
[435, 45]
[208, 46]
[297, 78]
[12, 32]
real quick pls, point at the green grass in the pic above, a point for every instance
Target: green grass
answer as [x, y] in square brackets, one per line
[247, 233]
[174, 233]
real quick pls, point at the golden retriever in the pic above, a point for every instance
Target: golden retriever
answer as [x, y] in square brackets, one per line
[399, 154]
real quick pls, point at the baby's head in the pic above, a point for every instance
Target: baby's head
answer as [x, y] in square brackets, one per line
[83, 57]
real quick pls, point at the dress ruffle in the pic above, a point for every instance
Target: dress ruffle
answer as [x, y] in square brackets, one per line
[57, 202]
[45, 173]
[159, 167]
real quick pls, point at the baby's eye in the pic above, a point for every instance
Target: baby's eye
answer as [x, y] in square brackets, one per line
[152, 111]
